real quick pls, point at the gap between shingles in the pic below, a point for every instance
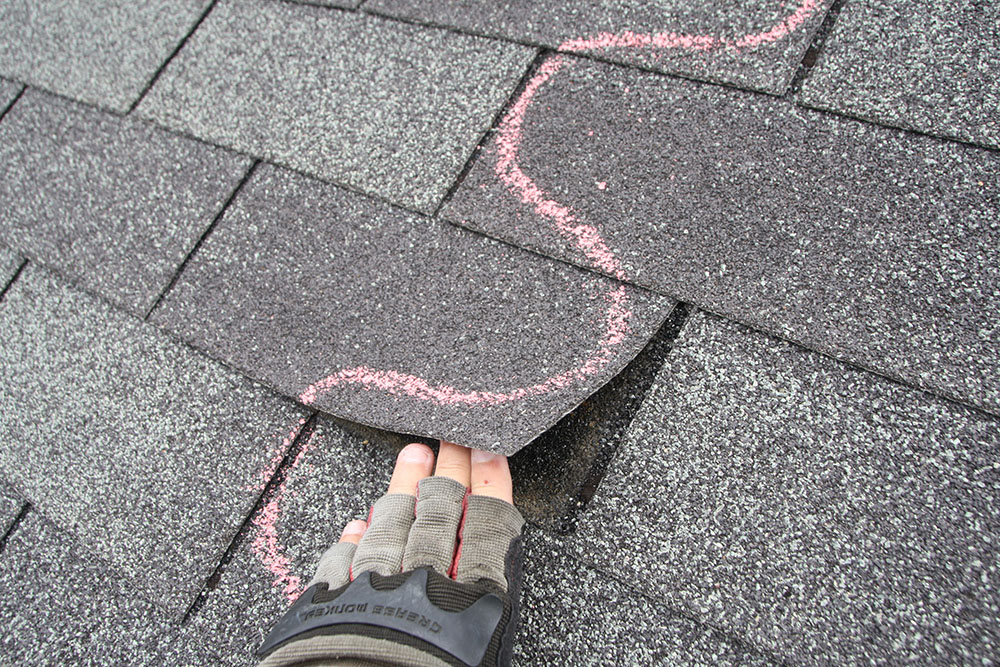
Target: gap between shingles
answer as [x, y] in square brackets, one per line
[13, 279]
[301, 438]
[515, 94]
[201, 239]
[815, 47]
[10, 105]
[23, 512]
[177, 49]
[657, 349]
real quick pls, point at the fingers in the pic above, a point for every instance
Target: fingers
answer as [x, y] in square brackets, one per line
[453, 461]
[413, 463]
[383, 543]
[488, 544]
[335, 565]
[490, 476]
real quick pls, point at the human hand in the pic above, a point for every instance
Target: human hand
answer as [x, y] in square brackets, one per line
[431, 578]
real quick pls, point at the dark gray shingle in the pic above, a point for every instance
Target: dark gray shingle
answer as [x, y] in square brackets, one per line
[749, 44]
[113, 203]
[390, 109]
[59, 605]
[404, 322]
[922, 64]
[99, 51]
[812, 509]
[872, 245]
[143, 449]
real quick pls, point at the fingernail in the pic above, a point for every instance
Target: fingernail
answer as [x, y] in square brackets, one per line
[355, 527]
[415, 454]
[481, 456]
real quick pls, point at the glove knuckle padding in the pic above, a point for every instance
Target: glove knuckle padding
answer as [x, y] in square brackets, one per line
[431, 543]
[491, 525]
[382, 546]
[334, 567]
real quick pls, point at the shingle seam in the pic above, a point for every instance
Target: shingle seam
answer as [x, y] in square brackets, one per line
[305, 431]
[10, 105]
[23, 512]
[660, 346]
[201, 239]
[177, 49]
[583, 55]
[7, 285]
[515, 94]
[814, 50]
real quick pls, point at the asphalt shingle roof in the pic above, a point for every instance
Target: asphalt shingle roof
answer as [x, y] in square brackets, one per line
[754, 45]
[388, 109]
[922, 65]
[103, 53]
[869, 244]
[210, 207]
[115, 204]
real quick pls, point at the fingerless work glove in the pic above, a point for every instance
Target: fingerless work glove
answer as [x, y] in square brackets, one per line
[435, 581]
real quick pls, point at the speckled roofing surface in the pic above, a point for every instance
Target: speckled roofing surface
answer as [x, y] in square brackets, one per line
[247, 246]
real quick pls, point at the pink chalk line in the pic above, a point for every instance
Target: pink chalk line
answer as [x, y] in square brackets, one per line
[586, 238]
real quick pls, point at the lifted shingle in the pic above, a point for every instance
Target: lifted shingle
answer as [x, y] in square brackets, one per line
[143, 449]
[872, 245]
[113, 203]
[923, 65]
[751, 44]
[99, 51]
[400, 321]
[380, 106]
[815, 510]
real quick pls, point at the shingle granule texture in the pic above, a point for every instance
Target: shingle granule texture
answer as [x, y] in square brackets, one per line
[869, 244]
[110, 202]
[103, 52]
[388, 108]
[140, 447]
[922, 65]
[10, 507]
[814, 510]
[59, 605]
[399, 321]
[572, 614]
[754, 45]
[10, 262]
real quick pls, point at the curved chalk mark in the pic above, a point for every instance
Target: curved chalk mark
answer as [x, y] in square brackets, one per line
[587, 239]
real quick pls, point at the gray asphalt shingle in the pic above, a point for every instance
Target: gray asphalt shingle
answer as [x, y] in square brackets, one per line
[143, 449]
[390, 109]
[921, 64]
[812, 509]
[573, 615]
[103, 52]
[334, 479]
[59, 605]
[749, 44]
[110, 202]
[869, 244]
[403, 322]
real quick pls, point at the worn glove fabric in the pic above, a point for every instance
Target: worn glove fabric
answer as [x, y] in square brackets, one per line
[435, 582]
